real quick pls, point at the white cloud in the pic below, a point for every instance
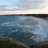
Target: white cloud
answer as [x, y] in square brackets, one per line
[26, 6]
[22, 5]
[29, 4]
[11, 7]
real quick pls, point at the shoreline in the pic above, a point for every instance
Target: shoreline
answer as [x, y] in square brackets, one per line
[36, 15]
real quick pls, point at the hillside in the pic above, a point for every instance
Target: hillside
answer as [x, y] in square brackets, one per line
[6, 42]
[10, 43]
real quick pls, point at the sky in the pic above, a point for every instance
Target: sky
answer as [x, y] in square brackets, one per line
[23, 6]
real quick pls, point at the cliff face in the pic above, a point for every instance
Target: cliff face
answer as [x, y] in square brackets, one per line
[40, 45]
[11, 43]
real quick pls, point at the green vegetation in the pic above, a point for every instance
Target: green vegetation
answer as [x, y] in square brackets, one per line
[8, 44]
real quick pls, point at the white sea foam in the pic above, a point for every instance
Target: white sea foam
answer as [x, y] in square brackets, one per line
[40, 33]
[6, 23]
[40, 30]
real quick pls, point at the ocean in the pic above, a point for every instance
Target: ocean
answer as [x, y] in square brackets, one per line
[25, 29]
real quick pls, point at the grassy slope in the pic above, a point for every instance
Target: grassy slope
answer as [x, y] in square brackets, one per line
[10, 44]
[7, 44]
